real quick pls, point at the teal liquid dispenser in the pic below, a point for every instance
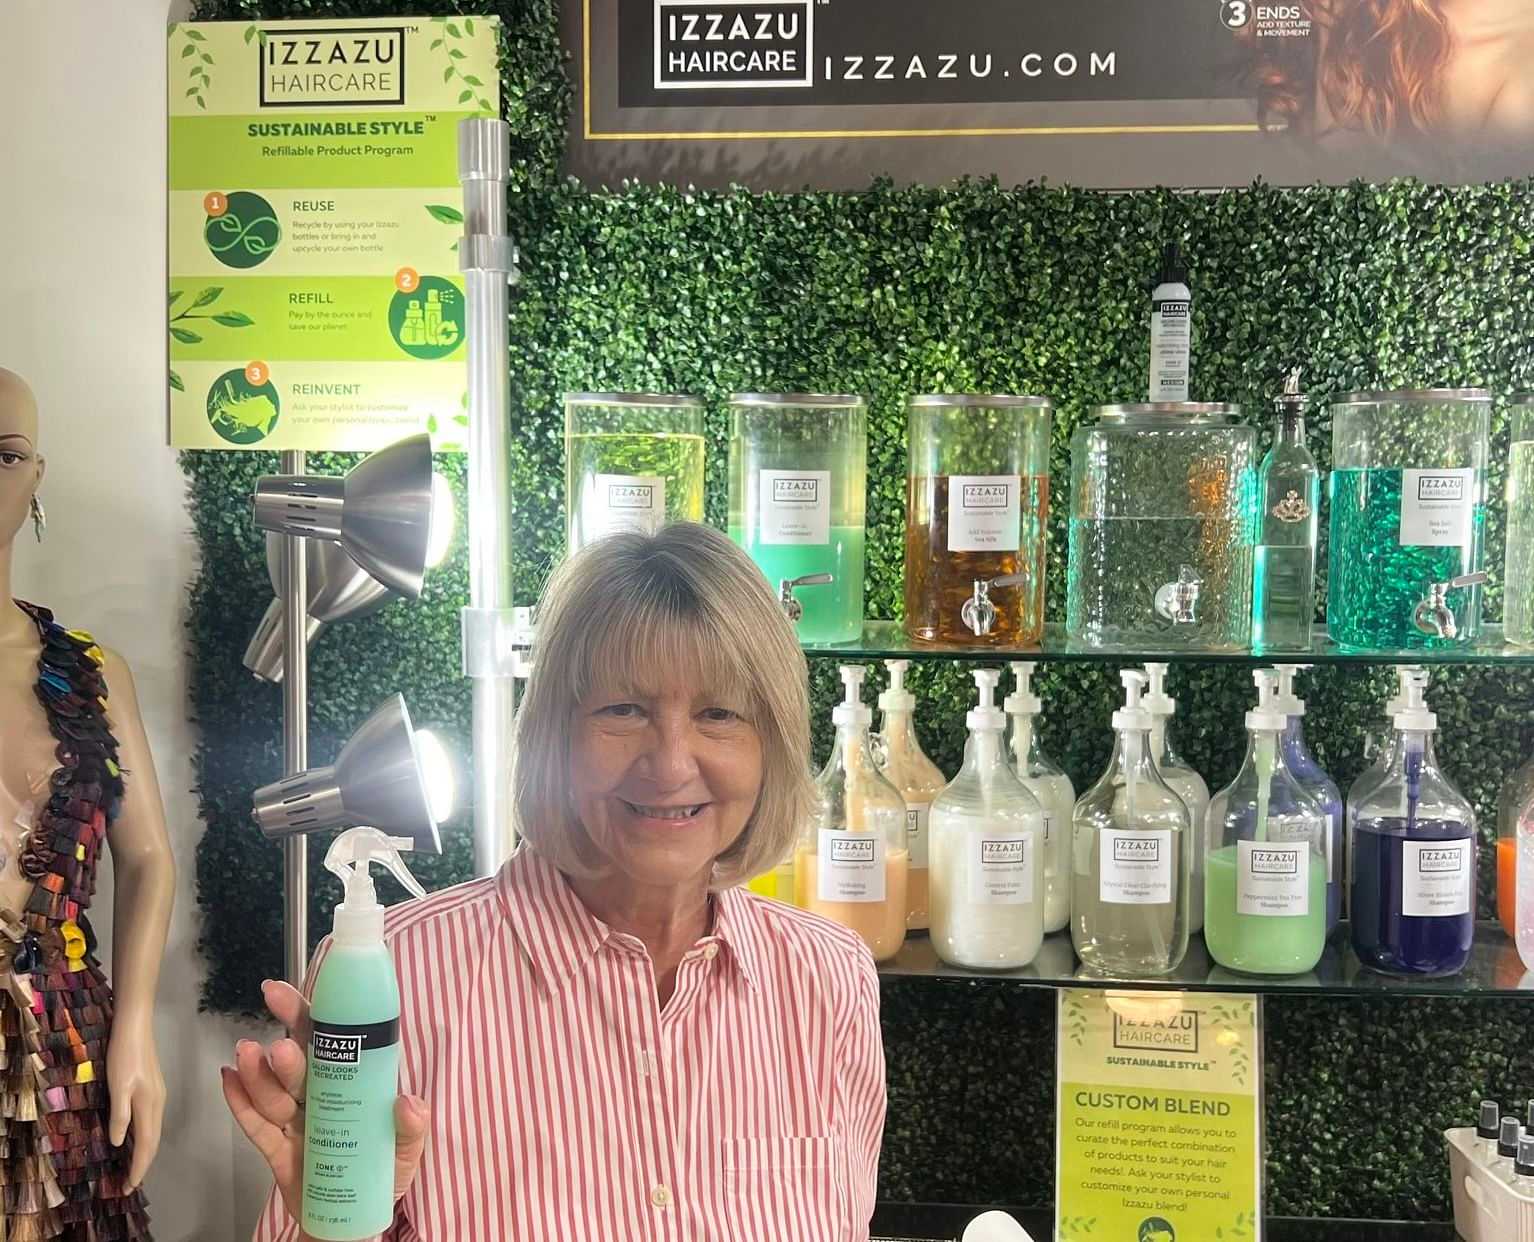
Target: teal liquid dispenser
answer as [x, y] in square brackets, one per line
[353, 1082]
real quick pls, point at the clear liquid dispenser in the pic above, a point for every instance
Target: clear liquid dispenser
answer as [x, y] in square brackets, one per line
[906, 766]
[1518, 568]
[1183, 780]
[1313, 780]
[1053, 789]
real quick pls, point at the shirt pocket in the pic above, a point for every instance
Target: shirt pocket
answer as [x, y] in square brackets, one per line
[786, 1189]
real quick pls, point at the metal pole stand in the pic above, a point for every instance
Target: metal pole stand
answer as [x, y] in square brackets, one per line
[487, 257]
[295, 737]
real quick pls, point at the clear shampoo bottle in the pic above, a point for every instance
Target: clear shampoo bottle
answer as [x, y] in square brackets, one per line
[1186, 783]
[906, 766]
[1053, 789]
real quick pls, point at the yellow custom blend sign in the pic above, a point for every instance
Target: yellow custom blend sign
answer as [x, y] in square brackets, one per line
[315, 211]
[1159, 1117]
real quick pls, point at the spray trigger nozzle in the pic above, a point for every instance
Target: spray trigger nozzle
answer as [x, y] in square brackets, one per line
[352, 852]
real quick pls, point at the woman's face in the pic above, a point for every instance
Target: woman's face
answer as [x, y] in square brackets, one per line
[664, 776]
[21, 469]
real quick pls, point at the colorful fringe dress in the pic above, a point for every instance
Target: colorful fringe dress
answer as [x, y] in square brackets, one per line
[60, 1177]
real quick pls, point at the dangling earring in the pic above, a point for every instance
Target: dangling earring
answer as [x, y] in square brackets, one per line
[39, 518]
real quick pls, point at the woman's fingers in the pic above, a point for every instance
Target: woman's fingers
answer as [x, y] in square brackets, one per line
[290, 1066]
[282, 1154]
[268, 1094]
[287, 1004]
[412, 1121]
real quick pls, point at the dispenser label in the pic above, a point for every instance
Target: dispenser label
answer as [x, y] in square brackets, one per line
[1136, 867]
[1001, 866]
[916, 818]
[795, 506]
[851, 866]
[1437, 878]
[1273, 879]
[1437, 508]
[983, 513]
[624, 502]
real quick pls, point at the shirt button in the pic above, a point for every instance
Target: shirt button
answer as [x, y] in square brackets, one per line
[711, 952]
[660, 1197]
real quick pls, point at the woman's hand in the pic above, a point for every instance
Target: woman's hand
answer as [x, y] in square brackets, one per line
[265, 1092]
[137, 1091]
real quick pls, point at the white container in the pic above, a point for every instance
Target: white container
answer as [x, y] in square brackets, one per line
[1488, 1205]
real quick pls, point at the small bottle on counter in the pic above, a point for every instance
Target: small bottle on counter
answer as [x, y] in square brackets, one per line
[1184, 781]
[852, 861]
[1266, 894]
[1052, 787]
[1414, 874]
[1488, 1125]
[1508, 1134]
[1523, 1164]
[1313, 779]
[987, 851]
[1130, 856]
[1171, 328]
[1284, 568]
[906, 766]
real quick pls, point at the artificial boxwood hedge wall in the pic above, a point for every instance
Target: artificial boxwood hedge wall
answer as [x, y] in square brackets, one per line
[970, 287]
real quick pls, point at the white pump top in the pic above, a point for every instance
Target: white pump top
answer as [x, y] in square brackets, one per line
[985, 714]
[1414, 716]
[1157, 701]
[1269, 714]
[1406, 674]
[1133, 716]
[1287, 701]
[850, 713]
[359, 919]
[897, 698]
[1023, 701]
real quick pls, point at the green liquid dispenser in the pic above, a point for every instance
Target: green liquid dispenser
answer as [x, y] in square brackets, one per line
[1053, 789]
[986, 851]
[1265, 905]
[1130, 856]
[1183, 780]
[353, 1081]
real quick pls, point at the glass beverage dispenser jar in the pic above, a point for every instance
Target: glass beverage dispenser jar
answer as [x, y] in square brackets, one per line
[1162, 522]
[1408, 500]
[977, 501]
[633, 461]
[1518, 580]
[798, 462]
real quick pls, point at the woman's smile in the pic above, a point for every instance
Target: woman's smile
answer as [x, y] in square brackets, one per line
[674, 815]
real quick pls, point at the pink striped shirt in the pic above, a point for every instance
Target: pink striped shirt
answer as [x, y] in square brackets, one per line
[567, 1106]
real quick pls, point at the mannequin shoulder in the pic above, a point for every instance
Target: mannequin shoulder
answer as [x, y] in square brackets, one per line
[119, 676]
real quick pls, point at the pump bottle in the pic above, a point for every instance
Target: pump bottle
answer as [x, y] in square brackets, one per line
[987, 851]
[1414, 869]
[1313, 780]
[851, 862]
[1515, 849]
[1171, 329]
[1184, 782]
[353, 1077]
[1130, 856]
[1266, 894]
[906, 766]
[1366, 781]
[1052, 788]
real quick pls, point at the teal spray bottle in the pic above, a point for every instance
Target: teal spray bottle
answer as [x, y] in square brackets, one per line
[354, 1052]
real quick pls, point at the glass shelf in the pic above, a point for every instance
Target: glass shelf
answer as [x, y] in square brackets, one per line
[1494, 970]
[887, 640]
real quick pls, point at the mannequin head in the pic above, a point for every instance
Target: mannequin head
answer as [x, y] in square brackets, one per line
[21, 465]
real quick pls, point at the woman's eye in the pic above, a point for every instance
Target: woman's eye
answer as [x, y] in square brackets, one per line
[720, 715]
[8, 458]
[620, 711]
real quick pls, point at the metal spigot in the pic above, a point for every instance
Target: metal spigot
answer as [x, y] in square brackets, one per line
[792, 608]
[1177, 602]
[978, 612]
[1433, 616]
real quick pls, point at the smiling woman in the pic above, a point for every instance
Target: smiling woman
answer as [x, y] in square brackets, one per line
[610, 1039]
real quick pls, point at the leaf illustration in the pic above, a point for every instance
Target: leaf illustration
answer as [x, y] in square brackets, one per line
[194, 34]
[207, 296]
[444, 213]
[457, 54]
[450, 446]
[206, 57]
[452, 30]
[190, 91]
[174, 294]
[447, 74]
[175, 382]
[187, 51]
[431, 427]
[250, 33]
[468, 25]
[185, 335]
[466, 96]
[435, 44]
[461, 419]
[200, 103]
[233, 319]
[485, 104]
[472, 80]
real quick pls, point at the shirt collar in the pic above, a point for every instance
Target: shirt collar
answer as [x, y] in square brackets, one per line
[560, 935]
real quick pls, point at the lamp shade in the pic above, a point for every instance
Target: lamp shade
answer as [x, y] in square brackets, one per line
[381, 778]
[380, 513]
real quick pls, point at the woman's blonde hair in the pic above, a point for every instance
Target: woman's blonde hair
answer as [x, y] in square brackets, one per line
[643, 609]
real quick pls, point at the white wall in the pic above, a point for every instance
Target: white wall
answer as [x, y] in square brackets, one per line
[82, 306]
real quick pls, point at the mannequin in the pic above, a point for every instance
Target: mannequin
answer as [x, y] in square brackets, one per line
[81, 1093]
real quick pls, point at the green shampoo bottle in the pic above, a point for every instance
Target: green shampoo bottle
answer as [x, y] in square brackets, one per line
[354, 1053]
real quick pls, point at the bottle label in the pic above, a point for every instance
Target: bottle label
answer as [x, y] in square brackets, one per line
[348, 1136]
[624, 502]
[1001, 867]
[1437, 508]
[917, 815]
[1136, 867]
[1273, 879]
[795, 506]
[984, 513]
[851, 866]
[1437, 878]
[1170, 335]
